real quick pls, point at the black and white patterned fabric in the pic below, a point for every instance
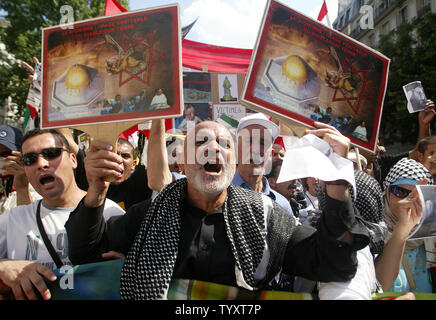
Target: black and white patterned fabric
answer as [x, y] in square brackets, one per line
[407, 168]
[369, 200]
[149, 264]
[369, 203]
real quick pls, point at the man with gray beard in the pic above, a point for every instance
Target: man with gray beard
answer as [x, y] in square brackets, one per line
[203, 228]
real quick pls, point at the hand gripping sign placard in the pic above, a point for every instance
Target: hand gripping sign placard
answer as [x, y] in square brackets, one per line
[115, 70]
[303, 71]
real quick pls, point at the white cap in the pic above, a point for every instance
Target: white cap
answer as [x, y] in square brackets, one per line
[260, 119]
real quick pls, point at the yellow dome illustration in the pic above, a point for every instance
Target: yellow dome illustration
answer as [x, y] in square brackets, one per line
[77, 77]
[295, 69]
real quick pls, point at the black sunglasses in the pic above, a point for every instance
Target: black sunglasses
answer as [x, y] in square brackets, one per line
[399, 192]
[48, 154]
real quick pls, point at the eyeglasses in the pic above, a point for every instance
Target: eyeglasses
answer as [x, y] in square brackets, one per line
[399, 192]
[48, 154]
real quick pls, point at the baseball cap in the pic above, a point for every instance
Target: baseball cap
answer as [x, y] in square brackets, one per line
[260, 119]
[11, 137]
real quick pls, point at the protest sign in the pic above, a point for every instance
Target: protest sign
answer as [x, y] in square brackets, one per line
[427, 226]
[106, 74]
[415, 95]
[211, 97]
[302, 71]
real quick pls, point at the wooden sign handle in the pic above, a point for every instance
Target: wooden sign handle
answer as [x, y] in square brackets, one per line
[359, 164]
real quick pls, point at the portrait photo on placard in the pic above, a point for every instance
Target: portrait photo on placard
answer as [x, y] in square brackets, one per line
[426, 228]
[194, 113]
[415, 95]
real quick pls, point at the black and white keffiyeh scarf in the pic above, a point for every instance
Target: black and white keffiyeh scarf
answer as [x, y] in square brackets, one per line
[150, 263]
[369, 203]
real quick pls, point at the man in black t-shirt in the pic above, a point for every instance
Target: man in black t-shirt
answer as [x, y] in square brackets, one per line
[131, 187]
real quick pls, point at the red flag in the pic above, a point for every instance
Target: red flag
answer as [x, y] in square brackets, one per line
[195, 55]
[113, 7]
[323, 12]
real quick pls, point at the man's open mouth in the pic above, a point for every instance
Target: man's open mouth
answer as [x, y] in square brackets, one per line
[213, 168]
[46, 179]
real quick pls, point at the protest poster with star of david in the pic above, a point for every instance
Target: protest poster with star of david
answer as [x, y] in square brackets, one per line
[115, 68]
[301, 71]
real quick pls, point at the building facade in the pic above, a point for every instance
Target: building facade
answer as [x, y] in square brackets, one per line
[368, 20]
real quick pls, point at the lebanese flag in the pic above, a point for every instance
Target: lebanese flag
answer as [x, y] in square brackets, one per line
[324, 13]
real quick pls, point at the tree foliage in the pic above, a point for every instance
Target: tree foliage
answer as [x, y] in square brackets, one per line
[22, 37]
[411, 48]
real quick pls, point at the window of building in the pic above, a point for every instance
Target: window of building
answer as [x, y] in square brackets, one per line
[403, 15]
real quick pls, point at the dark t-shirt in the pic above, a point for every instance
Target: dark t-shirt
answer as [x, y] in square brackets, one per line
[79, 172]
[133, 190]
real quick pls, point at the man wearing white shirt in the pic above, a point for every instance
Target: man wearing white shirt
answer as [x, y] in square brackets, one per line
[24, 256]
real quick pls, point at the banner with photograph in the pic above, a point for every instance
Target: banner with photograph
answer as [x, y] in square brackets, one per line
[211, 96]
[415, 96]
[121, 67]
[427, 226]
[304, 71]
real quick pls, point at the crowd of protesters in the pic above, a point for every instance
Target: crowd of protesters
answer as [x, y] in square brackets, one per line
[212, 208]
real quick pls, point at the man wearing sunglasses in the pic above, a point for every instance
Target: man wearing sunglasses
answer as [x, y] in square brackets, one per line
[25, 256]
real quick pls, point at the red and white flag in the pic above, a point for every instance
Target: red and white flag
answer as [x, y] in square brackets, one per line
[324, 13]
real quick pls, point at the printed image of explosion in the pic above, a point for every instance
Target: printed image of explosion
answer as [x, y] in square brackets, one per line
[119, 62]
[291, 77]
[310, 72]
[80, 86]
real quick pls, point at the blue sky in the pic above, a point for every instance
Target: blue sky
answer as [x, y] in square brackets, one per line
[232, 23]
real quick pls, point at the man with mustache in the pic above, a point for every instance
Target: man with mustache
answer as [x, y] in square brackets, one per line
[256, 134]
[204, 228]
[25, 257]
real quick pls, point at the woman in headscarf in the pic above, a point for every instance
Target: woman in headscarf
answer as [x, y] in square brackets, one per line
[402, 264]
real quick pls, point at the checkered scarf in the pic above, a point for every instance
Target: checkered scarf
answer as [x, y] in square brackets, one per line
[407, 168]
[150, 263]
[369, 203]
